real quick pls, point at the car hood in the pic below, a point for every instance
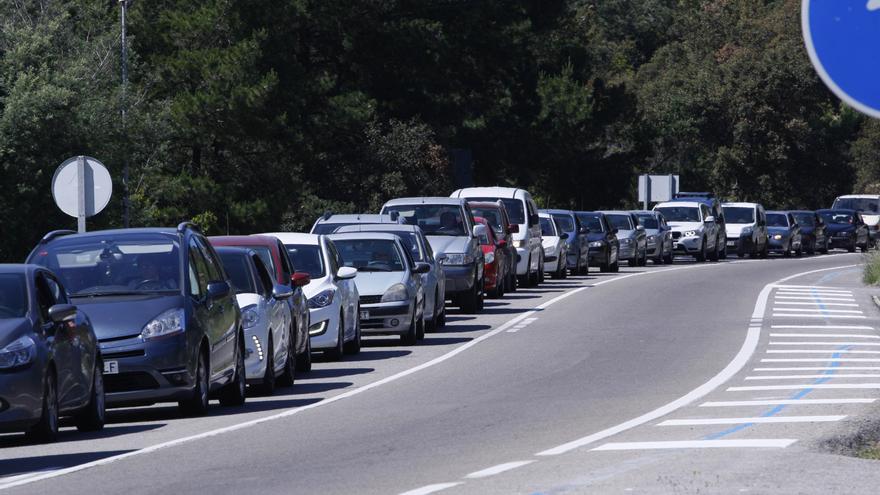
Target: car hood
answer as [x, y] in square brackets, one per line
[116, 317]
[806, 229]
[596, 236]
[624, 234]
[376, 283]
[317, 286]
[685, 226]
[246, 299]
[11, 329]
[778, 230]
[448, 244]
[735, 229]
[836, 227]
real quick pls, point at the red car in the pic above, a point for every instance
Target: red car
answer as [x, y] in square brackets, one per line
[496, 214]
[495, 264]
[277, 259]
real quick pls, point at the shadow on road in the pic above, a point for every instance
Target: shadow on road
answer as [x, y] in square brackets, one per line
[444, 340]
[456, 319]
[377, 355]
[315, 388]
[67, 433]
[462, 328]
[52, 462]
[332, 373]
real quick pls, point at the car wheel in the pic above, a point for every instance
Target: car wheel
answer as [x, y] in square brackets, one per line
[701, 256]
[411, 335]
[766, 252]
[267, 387]
[511, 286]
[800, 251]
[864, 248]
[714, 255]
[197, 404]
[786, 252]
[420, 325]
[667, 258]
[643, 261]
[615, 267]
[539, 277]
[234, 393]
[606, 266]
[288, 376]
[46, 430]
[304, 360]
[91, 417]
[335, 354]
[353, 346]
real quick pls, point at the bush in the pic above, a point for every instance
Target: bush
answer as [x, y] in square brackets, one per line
[871, 274]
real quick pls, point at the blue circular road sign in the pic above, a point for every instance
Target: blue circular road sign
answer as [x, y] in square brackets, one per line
[843, 40]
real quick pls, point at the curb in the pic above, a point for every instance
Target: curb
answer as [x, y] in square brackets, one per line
[876, 300]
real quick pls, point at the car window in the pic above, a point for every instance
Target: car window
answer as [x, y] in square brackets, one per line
[621, 222]
[564, 222]
[547, 229]
[514, 207]
[57, 291]
[429, 253]
[370, 255]
[592, 221]
[286, 268]
[739, 214]
[336, 261]
[45, 299]
[492, 217]
[434, 220]
[869, 205]
[198, 270]
[680, 213]
[777, 220]
[239, 271]
[265, 280]
[307, 258]
[215, 267]
[13, 295]
[649, 222]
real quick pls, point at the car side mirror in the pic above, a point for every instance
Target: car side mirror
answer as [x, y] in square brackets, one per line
[422, 268]
[218, 290]
[300, 279]
[346, 273]
[282, 292]
[640, 227]
[584, 230]
[563, 235]
[710, 219]
[513, 229]
[615, 230]
[61, 313]
[480, 231]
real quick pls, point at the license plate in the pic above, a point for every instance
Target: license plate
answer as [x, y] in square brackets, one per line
[365, 315]
[731, 243]
[111, 367]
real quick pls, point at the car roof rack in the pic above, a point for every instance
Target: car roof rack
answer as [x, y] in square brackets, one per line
[56, 233]
[182, 226]
[685, 194]
[327, 214]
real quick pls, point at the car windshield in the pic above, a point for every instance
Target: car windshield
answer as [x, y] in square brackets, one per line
[307, 258]
[492, 217]
[433, 219]
[649, 222]
[564, 222]
[116, 264]
[328, 228]
[859, 204]
[837, 218]
[236, 266]
[547, 227]
[738, 214]
[514, 207]
[777, 220]
[680, 213]
[805, 219]
[591, 221]
[620, 222]
[410, 242]
[370, 255]
[13, 295]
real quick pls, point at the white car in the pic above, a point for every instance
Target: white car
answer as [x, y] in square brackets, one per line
[332, 293]
[746, 229]
[694, 230]
[555, 247]
[265, 316]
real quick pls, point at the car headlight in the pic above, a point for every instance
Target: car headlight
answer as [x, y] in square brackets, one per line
[458, 259]
[249, 316]
[747, 231]
[626, 241]
[597, 244]
[691, 233]
[490, 258]
[652, 239]
[395, 293]
[19, 352]
[777, 237]
[168, 323]
[322, 299]
[518, 244]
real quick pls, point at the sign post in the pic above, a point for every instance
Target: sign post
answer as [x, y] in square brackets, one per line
[82, 188]
[842, 37]
[657, 188]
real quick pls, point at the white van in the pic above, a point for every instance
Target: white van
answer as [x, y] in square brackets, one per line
[523, 213]
[868, 206]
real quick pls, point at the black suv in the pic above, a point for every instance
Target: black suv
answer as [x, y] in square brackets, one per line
[166, 319]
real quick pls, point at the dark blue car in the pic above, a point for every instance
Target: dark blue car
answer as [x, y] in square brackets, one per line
[813, 234]
[49, 361]
[846, 229]
[602, 237]
[166, 319]
[578, 257]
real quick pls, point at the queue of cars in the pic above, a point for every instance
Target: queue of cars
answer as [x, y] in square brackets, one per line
[133, 317]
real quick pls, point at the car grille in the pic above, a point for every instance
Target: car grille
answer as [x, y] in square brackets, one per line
[124, 382]
[676, 235]
[370, 299]
[122, 354]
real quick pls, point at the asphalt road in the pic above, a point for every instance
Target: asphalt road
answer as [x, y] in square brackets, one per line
[669, 379]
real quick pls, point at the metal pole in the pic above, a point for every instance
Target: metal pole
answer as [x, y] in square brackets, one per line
[80, 194]
[647, 191]
[126, 202]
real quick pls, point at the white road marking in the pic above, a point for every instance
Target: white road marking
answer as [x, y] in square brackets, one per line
[810, 298]
[806, 310]
[820, 368]
[813, 293]
[823, 327]
[799, 377]
[754, 388]
[785, 402]
[779, 443]
[519, 326]
[825, 360]
[24, 476]
[809, 287]
[818, 351]
[756, 419]
[825, 343]
[826, 335]
[500, 468]
[813, 290]
[800, 315]
[818, 303]
[425, 490]
[739, 361]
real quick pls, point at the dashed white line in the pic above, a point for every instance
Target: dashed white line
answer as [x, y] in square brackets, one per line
[806, 310]
[818, 351]
[756, 419]
[699, 444]
[818, 303]
[826, 343]
[801, 315]
[800, 377]
[866, 386]
[820, 368]
[823, 327]
[825, 360]
[808, 287]
[425, 490]
[785, 402]
[500, 468]
[811, 298]
[827, 335]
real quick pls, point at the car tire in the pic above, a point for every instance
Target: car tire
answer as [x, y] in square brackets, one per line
[235, 393]
[701, 256]
[786, 252]
[615, 267]
[668, 258]
[197, 404]
[92, 417]
[267, 386]
[766, 252]
[643, 261]
[511, 287]
[539, 277]
[714, 255]
[420, 325]
[46, 429]
[411, 335]
[353, 346]
[633, 261]
[304, 360]
[606, 266]
[288, 376]
[800, 251]
[864, 248]
[335, 354]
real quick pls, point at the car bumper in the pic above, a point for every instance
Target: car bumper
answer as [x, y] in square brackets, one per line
[155, 371]
[571, 260]
[522, 261]
[256, 345]
[323, 331]
[688, 245]
[458, 279]
[842, 242]
[387, 318]
[627, 252]
[653, 250]
[741, 244]
[777, 245]
[597, 256]
[21, 398]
